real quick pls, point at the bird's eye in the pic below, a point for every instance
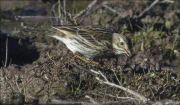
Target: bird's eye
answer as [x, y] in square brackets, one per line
[122, 43]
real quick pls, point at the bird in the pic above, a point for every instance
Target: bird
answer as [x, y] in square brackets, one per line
[92, 41]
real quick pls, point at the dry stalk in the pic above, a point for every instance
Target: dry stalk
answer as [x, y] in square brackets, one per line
[91, 99]
[105, 81]
[64, 9]
[112, 10]
[147, 9]
[5, 65]
[89, 7]
[137, 95]
[59, 12]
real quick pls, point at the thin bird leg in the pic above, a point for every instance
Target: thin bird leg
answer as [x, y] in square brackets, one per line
[94, 62]
[86, 60]
[90, 61]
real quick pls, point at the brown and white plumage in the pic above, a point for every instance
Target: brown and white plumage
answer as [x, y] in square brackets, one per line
[92, 41]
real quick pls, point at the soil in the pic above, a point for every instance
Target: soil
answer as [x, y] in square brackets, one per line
[46, 69]
[37, 68]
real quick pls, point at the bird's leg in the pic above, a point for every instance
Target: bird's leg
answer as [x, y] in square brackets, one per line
[90, 61]
[86, 60]
[94, 62]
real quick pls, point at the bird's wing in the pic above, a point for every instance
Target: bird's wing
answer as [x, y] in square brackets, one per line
[93, 35]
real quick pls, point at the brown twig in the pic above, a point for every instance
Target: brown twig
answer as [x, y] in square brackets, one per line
[59, 12]
[147, 9]
[91, 99]
[152, 5]
[169, 1]
[112, 10]
[5, 65]
[89, 7]
[105, 81]
[137, 95]
[64, 5]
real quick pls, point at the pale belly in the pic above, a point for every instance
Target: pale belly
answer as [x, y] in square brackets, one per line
[76, 47]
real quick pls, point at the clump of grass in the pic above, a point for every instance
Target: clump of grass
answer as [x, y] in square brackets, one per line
[15, 32]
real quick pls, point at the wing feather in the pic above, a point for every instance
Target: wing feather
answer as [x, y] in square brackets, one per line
[91, 34]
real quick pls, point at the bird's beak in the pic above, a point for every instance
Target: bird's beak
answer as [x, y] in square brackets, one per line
[128, 53]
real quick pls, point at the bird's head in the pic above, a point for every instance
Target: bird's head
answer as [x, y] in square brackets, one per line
[121, 44]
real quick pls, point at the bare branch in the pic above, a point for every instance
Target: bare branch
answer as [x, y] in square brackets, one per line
[6, 53]
[153, 4]
[64, 9]
[91, 99]
[112, 10]
[147, 9]
[59, 12]
[53, 10]
[135, 94]
[86, 9]
[169, 1]
[140, 97]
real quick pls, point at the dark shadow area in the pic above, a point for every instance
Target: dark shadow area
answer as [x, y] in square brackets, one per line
[20, 51]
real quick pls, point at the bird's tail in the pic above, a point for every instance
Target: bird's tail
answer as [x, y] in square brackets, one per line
[48, 31]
